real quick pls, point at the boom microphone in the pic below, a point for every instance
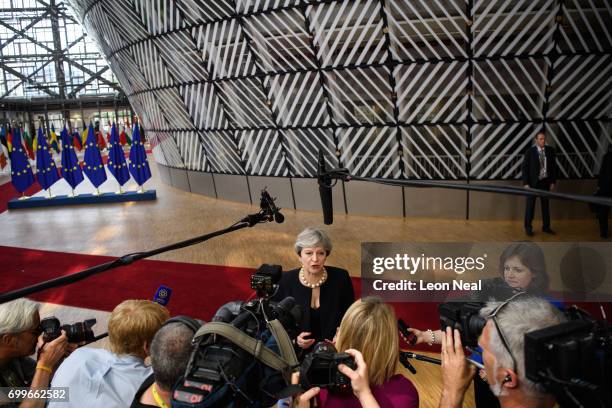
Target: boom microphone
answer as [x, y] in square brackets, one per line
[325, 191]
[268, 206]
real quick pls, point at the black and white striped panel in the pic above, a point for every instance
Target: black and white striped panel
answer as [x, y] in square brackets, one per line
[497, 150]
[158, 153]
[125, 16]
[348, 32]
[204, 106]
[190, 148]
[153, 69]
[245, 103]
[198, 11]
[303, 147]
[181, 57]
[133, 74]
[360, 96]
[587, 26]
[369, 152]
[173, 108]
[298, 99]
[170, 149]
[431, 92]
[121, 75]
[513, 28]
[510, 89]
[434, 152]
[280, 41]
[582, 87]
[80, 6]
[222, 151]
[422, 30]
[224, 49]
[580, 146]
[152, 116]
[107, 36]
[253, 6]
[159, 16]
[262, 153]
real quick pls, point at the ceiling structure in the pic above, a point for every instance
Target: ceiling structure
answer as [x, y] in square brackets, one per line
[46, 56]
[437, 89]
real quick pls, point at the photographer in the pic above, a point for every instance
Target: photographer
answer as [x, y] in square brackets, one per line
[370, 325]
[502, 342]
[19, 332]
[111, 378]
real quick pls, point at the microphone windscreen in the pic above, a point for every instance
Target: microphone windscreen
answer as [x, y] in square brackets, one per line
[325, 191]
[162, 295]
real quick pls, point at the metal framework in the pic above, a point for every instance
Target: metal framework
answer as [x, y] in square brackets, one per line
[431, 89]
[44, 52]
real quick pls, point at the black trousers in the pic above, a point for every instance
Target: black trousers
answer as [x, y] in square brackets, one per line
[543, 184]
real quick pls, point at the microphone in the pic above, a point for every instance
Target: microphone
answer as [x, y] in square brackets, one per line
[162, 295]
[325, 191]
[269, 207]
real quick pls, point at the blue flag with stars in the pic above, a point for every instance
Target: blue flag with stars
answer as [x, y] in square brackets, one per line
[139, 166]
[116, 158]
[92, 165]
[46, 171]
[71, 170]
[21, 171]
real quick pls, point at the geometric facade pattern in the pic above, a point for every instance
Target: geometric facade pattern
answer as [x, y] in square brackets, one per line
[391, 89]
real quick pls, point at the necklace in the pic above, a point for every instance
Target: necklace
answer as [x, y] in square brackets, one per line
[305, 282]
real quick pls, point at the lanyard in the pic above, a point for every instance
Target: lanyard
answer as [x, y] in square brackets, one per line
[160, 402]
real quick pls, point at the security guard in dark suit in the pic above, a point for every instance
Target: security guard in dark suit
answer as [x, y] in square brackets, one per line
[539, 172]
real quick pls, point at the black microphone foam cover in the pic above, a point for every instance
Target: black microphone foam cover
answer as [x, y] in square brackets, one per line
[325, 191]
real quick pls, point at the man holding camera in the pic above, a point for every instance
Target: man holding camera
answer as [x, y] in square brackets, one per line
[19, 333]
[102, 378]
[502, 342]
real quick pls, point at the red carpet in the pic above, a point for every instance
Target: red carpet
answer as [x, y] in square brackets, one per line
[8, 192]
[198, 290]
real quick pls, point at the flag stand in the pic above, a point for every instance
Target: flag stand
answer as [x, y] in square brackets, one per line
[120, 190]
[141, 190]
[49, 195]
[23, 197]
[97, 192]
[73, 194]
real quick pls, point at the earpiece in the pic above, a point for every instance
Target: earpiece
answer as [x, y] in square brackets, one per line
[506, 379]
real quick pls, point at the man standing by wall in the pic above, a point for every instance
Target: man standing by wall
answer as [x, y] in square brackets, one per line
[539, 172]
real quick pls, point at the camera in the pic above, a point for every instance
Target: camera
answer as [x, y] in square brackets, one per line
[223, 370]
[465, 317]
[571, 360]
[320, 368]
[77, 333]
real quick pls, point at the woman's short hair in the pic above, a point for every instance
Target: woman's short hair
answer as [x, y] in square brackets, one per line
[312, 237]
[532, 257]
[370, 326]
[18, 315]
[134, 323]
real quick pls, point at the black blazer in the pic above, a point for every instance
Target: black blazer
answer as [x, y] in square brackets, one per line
[604, 182]
[531, 165]
[337, 295]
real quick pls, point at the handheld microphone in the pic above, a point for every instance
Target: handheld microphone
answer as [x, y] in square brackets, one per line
[325, 191]
[162, 295]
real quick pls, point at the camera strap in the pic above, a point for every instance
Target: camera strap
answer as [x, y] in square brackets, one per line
[283, 363]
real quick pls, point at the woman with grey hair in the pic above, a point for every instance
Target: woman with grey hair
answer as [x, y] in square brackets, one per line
[324, 292]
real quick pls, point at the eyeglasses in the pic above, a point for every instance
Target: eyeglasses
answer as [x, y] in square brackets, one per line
[493, 316]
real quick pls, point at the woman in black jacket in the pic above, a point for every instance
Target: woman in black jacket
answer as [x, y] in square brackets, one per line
[325, 293]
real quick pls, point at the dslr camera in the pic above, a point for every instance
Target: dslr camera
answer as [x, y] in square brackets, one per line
[320, 368]
[77, 333]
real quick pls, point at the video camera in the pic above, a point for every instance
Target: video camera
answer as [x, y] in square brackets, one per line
[223, 371]
[320, 368]
[77, 333]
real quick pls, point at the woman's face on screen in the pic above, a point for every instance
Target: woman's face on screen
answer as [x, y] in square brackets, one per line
[516, 274]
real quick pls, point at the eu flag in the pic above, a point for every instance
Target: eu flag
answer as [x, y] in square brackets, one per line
[93, 166]
[116, 158]
[21, 171]
[71, 170]
[139, 166]
[46, 171]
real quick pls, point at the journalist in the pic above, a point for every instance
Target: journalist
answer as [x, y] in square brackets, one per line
[370, 326]
[111, 378]
[19, 334]
[323, 292]
[502, 342]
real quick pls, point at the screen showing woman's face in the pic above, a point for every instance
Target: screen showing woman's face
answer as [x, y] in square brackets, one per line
[516, 274]
[313, 259]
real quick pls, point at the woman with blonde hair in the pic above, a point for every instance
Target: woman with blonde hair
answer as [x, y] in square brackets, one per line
[370, 326]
